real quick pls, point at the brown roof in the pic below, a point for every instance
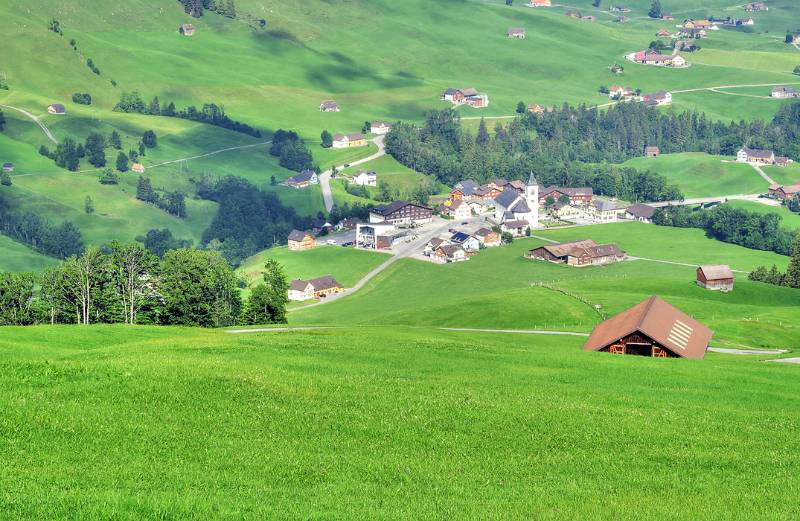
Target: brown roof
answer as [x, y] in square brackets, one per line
[324, 282]
[450, 249]
[516, 224]
[298, 285]
[662, 322]
[564, 249]
[716, 271]
[298, 236]
[641, 210]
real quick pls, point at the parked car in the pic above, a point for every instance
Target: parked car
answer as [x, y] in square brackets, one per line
[331, 242]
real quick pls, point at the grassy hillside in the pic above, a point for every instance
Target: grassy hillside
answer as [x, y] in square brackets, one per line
[376, 423]
[17, 257]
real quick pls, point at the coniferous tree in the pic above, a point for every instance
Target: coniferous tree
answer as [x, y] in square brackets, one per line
[483, 135]
[655, 9]
[155, 107]
[115, 140]
[149, 139]
[122, 162]
[327, 139]
[144, 190]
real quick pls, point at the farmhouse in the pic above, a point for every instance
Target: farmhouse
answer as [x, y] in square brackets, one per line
[470, 243]
[657, 99]
[782, 193]
[187, 29]
[539, 3]
[432, 245]
[640, 212]
[464, 190]
[349, 140]
[320, 287]
[449, 253]
[650, 151]
[56, 108]
[510, 205]
[8, 167]
[401, 212]
[756, 6]
[303, 179]
[329, 106]
[605, 211]
[749, 155]
[577, 196]
[578, 253]
[654, 58]
[137, 168]
[380, 128]
[568, 212]
[782, 161]
[651, 328]
[468, 96]
[515, 228]
[535, 108]
[617, 92]
[697, 24]
[364, 178]
[516, 32]
[718, 277]
[299, 241]
[784, 92]
[488, 237]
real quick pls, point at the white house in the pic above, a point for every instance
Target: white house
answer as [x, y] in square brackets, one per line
[380, 128]
[449, 253]
[365, 178]
[458, 209]
[470, 243]
[749, 155]
[513, 206]
[300, 290]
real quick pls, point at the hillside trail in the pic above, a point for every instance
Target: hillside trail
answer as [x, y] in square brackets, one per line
[325, 177]
[763, 174]
[36, 120]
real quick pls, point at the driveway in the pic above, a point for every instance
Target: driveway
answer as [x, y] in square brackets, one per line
[325, 177]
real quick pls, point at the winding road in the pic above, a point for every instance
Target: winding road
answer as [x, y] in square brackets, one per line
[325, 177]
[36, 120]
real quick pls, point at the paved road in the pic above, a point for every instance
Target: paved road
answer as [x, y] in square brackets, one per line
[325, 177]
[36, 120]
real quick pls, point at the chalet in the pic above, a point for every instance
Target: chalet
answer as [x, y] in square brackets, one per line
[605, 211]
[348, 223]
[756, 6]
[349, 140]
[515, 228]
[320, 287]
[187, 29]
[457, 209]
[470, 243]
[321, 226]
[401, 212]
[718, 277]
[693, 33]
[449, 253]
[640, 212]
[782, 193]
[516, 32]
[578, 253]
[651, 328]
[617, 92]
[464, 190]
[663, 33]
[657, 99]
[432, 245]
[488, 237]
[749, 155]
[304, 179]
[576, 196]
[510, 205]
[782, 161]
[56, 108]
[651, 151]
[137, 168]
[364, 178]
[477, 101]
[698, 24]
[380, 128]
[784, 92]
[8, 167]
[568, 212]
[329, 106]
[497, 183]
[298, 241]
[539, 3]
[535, 108]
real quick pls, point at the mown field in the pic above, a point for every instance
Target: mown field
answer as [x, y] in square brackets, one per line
[367, 423]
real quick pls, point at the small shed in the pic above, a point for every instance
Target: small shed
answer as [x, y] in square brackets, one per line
[138, 168]
[716, 277]
[651, 151]
[8, 167]
[516, 32]
[187, 29]
[329, 106]
[56, 108]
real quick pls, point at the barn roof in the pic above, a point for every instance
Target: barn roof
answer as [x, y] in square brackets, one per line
[324, 282]
[716, 271]
[662, 322]
[298, 236]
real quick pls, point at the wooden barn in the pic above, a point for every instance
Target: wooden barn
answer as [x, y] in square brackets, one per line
[651, 328]
[298, 241]
[717, 277]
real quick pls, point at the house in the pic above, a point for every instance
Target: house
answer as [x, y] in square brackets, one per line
[782, 161]
[568, 212]
[651, 328]
[576, 196]
[329, 106]
[298, 241]
[457, 209]
[651, 151]
[782, 193]
[510, 205]
[449, 253]
[698, 24]
[539, 3]
[749, 155]
[477, 101]
[578, 253]
[685, 45]
[377, 236]
[320, 287]
[745, 21]
[380, 128]
[470, 243]
[187, 29]
[516, 32]
[617, 92]
[602, 211]
[640, 212]
[693, 33]
[657, 99]
[56, 108]
[348, 223]
[364, 178]
[464, 190]
[515, 228]
[784, 92]
[138, 168]
[401, 212]
[535, 108]
[488, 238]
[349, 140]
[8, 167]
[432, 245]
[663, 33]
[303, 179]
[755, 6]
[717, 277]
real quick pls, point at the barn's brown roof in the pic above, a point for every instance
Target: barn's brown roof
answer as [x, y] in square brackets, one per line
[662, 322]
[716, 271]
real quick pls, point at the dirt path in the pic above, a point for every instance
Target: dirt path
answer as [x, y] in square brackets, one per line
[215, 152]
[36, 120]
[762, 174]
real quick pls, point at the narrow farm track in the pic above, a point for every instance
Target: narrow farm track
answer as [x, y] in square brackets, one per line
[36, 120]
[215, 152]
[763, 174]
[325, 177]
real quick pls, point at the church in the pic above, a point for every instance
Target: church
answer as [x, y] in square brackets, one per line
[512, 205]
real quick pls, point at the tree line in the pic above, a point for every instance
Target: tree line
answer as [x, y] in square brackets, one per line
[789, 279]
[734, 225]
[55, 240]
[291, 151]
[211, 113]
[172, 202]
[69, 152]
[124, 283]
[196, 8]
